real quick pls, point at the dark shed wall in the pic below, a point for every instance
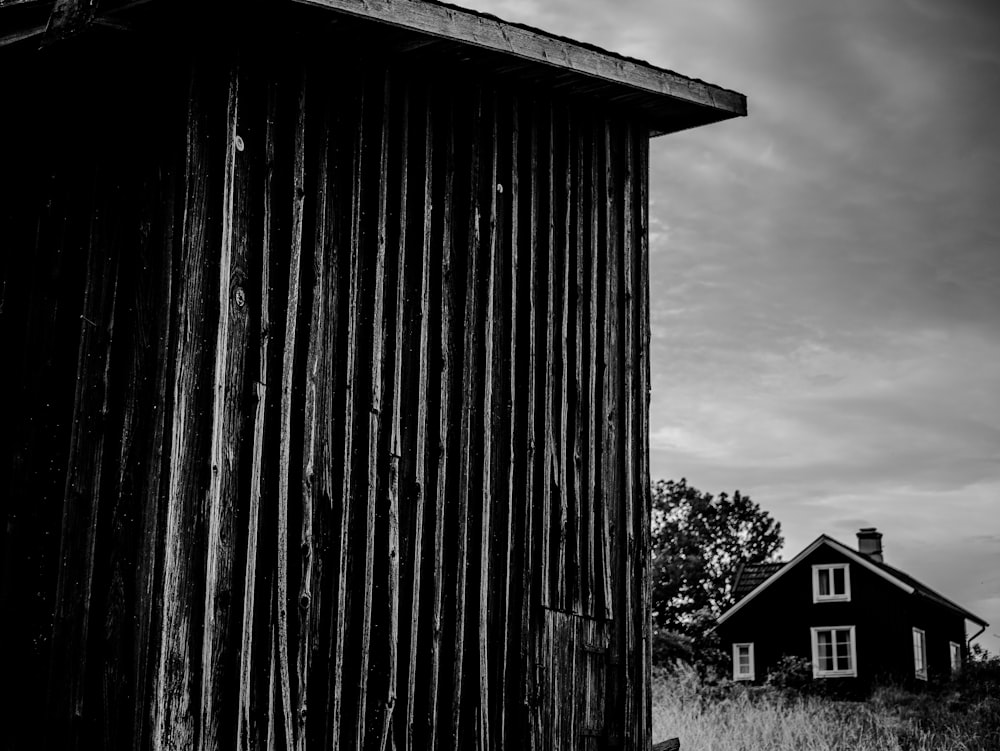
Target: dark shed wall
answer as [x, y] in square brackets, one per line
[332, 392]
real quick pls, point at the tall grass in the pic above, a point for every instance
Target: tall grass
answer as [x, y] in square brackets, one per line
[732, 717]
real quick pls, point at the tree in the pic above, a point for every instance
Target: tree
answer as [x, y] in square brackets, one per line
[699, 541]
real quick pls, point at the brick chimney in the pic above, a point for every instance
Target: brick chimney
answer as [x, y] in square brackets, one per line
[870, 543]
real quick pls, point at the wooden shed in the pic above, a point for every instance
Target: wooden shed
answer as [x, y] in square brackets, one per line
[325, 329]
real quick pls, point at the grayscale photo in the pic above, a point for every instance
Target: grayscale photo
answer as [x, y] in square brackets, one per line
[591, 375]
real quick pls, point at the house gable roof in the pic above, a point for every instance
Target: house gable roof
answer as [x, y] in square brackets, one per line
[895, 577]
[924, 591]
[750, 575]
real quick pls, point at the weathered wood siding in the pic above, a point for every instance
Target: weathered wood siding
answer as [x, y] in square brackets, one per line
[328, 407]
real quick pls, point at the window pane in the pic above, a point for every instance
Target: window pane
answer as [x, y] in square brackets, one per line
[918, 651]
[833, 651]
[824, 649]
[838, 582]
[843, 649]
[743, 664]
[824, 582]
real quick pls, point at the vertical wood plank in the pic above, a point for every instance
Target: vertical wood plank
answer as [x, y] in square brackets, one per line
[468, 397]
[578, 415]
[338, 731]
[444, 459]
[562, 191]
[643, 518]
[612, 491]
[176, 683]
[324, 602]
[573, 678]
[148, 569]
[309, 479]
[608, 367]
[546, 714]
[392, 589]
[245, 735]
[420, 397]
[114, 609]
[68, 674]
[291, 722]
[491, 293]
[272, 695]
[585, 674]
[596, 597]
[509, 352]
[532, 587]
[250, 645]
[555, 641]
[316, 478]
[548, 474]
[629, 494]
[374, 419]
[230, 345]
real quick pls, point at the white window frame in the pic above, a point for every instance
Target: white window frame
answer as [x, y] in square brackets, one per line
[844, 596]
[737, 675]
[955, 651]
[851, 672]
[920, 653]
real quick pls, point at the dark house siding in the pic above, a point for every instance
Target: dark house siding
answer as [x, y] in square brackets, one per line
[329, 400]
[779, 619]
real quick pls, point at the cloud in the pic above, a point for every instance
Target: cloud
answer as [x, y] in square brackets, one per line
[825, 273]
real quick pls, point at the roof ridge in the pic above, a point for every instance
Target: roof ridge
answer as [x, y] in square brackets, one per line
[899, 578]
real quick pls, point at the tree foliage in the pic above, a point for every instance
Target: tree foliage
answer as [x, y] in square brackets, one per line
[699, 541]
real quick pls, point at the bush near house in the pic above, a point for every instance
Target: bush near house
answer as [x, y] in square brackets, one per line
[789, 713]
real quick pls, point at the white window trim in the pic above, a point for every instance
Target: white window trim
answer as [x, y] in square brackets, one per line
[846, 596]
[737, 676]
[817, 673]
[920, 673]
[953, 648]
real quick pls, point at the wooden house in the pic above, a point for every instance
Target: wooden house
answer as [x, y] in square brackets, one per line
[856, 619]
[326, 327]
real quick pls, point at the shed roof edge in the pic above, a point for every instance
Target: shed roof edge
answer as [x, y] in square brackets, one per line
[519, 40]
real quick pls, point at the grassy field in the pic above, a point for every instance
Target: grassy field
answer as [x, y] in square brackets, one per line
[730, 717]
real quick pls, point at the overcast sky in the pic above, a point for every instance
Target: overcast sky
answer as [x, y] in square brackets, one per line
[825, 274]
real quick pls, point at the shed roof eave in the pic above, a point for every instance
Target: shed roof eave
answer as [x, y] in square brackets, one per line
[665, 101]
[685, 102]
